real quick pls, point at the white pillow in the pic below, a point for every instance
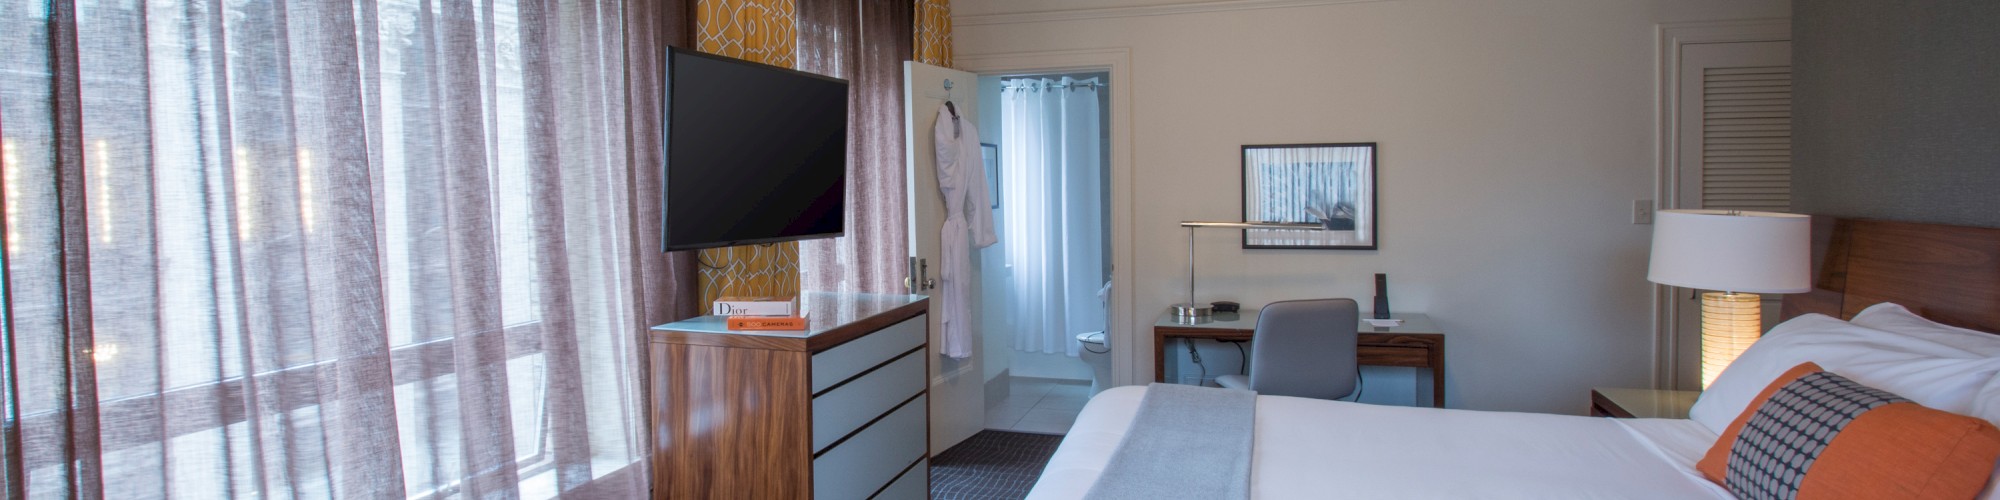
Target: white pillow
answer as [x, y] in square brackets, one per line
[1897, 319]
[1894, 318]
[1932, 374]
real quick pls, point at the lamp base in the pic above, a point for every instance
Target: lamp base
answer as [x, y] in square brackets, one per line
[1191, 313]
[1730, 322]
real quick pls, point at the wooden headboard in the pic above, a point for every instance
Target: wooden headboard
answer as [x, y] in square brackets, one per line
[1950, 274]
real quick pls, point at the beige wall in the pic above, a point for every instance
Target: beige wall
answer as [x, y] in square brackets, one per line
[1514, 138]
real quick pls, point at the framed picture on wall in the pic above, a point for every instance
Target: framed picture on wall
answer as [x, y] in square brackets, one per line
[992, 154]
[1333, 184]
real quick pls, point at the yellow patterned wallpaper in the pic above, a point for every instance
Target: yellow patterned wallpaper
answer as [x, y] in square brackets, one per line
[764, 31]
[933, 32]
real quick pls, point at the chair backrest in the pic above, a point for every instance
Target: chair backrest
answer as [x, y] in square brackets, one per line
[1305, 348]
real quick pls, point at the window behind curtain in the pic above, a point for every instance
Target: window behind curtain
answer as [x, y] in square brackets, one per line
[332, 249]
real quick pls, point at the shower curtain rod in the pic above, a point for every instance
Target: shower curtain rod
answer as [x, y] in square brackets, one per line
[1056, 85]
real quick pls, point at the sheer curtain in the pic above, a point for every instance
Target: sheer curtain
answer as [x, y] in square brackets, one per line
[317, 249]
[1051, 180]
[864, 42]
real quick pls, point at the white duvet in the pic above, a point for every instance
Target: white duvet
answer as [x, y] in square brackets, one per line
[1307, 448]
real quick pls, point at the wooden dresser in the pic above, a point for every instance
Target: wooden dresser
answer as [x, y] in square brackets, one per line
[839, 411]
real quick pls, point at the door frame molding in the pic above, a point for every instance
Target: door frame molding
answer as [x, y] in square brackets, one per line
[1671, 37]
[1125, 369]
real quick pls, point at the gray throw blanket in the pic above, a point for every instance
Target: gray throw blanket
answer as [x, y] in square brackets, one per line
[1186, 442]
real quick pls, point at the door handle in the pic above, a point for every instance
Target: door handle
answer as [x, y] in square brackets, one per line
[924, 274]
[920, 276]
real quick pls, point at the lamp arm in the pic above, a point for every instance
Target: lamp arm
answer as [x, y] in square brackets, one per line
[1189, 312]
[1309, 226]
[1192, 225]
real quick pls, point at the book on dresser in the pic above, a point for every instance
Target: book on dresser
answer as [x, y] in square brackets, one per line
[839, 409]
[755, 306]
[767, 323]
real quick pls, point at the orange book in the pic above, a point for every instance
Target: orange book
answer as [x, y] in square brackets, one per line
[767, 323]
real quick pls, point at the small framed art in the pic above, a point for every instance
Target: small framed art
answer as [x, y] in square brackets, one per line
[991, 152]
[1330, 184]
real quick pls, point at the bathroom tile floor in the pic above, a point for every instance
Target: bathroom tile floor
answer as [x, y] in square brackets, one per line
[1041, 406]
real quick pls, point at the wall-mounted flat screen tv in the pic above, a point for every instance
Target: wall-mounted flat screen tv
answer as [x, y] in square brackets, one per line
[754, 153]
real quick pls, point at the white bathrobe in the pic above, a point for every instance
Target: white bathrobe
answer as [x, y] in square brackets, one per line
[961, 174]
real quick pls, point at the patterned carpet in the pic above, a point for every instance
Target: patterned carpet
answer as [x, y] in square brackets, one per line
[991, 465]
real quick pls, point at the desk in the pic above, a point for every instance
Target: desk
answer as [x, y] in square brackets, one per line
[1416, 343]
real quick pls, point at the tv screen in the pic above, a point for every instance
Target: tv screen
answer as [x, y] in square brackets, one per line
[754, 153]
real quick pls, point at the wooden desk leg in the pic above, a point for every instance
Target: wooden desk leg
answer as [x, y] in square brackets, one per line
[1159, 356]
[1437, 375]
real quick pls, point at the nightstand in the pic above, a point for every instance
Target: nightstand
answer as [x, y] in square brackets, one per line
[1640, 403]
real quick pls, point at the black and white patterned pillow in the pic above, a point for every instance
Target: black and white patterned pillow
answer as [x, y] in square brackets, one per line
[1783, 438]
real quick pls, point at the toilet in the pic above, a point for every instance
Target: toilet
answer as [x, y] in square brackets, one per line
[1096, 352]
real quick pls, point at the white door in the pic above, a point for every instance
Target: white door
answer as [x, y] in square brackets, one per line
[1734, 152]
[958, 391]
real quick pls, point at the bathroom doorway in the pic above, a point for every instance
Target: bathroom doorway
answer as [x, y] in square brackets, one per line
[1046, 285]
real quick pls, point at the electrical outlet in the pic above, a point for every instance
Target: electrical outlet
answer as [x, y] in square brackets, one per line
[1642, 211]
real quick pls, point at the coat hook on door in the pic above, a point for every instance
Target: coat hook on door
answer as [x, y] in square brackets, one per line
[953, 108]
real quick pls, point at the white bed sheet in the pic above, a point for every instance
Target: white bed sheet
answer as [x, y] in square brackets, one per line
[1306, 448]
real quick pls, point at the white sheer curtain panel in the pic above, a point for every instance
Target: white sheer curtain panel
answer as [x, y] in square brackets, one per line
[863, 42]
[317, 249]
[1051, 179]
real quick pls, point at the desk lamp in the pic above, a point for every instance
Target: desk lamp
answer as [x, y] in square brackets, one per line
[1190, 312]
[1737, 255]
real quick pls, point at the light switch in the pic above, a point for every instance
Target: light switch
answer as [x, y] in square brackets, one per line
[1642, 211]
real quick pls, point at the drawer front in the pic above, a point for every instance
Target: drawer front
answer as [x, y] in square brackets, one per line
[832, 366]
[914, 485]
[874, 457]
[846, 408]
[1380, 355]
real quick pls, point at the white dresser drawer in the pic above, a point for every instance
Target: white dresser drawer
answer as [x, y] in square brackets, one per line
[874, 457]
[832, 366]
[845, 408]
[914, 485]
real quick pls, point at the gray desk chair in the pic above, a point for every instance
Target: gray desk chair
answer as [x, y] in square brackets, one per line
[1303, 348]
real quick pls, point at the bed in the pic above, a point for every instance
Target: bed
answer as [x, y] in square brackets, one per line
[1307, 448]
[1947, 277]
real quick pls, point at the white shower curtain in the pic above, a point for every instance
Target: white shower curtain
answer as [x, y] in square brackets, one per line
[1051, 180]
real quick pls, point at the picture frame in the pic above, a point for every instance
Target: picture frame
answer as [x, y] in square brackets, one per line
[991, 153]
[1294, 182]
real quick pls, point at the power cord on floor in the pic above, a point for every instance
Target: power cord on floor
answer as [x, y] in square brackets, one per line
[1360, 384]
[1192, 353]
[1242, 358]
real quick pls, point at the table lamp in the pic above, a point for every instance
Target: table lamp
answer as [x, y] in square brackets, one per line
[1738, 255]
[1191, 312]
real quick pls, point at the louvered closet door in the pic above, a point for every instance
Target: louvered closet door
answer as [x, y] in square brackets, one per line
[1734, 152]
[1746, 138]
[1736, 126]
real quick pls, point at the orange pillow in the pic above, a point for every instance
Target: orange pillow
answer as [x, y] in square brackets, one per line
[1820, 435]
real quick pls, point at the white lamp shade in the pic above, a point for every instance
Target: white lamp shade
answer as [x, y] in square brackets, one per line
[1755, 252]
